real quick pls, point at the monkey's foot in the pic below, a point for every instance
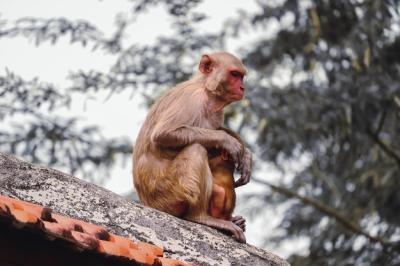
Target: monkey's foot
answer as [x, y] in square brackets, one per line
[239, 221]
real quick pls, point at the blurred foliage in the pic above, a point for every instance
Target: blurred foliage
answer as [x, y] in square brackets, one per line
[324, 89]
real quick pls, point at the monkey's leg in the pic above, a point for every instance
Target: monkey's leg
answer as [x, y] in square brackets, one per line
[217, 202]
[222, 225]
[194, 177]
[222, 205]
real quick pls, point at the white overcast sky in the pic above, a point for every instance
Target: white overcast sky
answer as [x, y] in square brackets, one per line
[53, 63]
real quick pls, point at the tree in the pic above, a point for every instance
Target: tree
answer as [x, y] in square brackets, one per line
[324, 79]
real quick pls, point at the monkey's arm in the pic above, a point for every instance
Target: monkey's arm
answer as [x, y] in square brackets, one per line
[232, 133]
[246, 163]
[209, 138]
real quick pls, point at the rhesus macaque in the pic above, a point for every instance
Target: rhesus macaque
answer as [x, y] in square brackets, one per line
[223, 196]
[171, 165]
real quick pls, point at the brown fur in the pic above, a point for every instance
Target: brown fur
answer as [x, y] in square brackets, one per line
[171, 169]
[223, 198]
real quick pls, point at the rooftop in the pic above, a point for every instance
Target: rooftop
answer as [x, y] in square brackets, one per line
[80, 235]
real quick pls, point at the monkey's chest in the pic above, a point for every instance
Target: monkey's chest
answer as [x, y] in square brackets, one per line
[213, 121]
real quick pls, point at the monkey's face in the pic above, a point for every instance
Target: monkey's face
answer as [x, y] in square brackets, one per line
[224, 74]
[234, 85]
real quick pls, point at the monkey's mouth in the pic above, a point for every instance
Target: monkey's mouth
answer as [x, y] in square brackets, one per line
[242, 89]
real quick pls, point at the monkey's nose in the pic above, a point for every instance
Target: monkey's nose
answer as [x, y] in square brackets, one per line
[242, 88]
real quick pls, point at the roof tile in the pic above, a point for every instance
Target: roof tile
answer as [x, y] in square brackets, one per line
[54, 229]
[142, 256]
[24, 217]
[171, 262]
[151, 249]
[122, 241]
[81, 234]
[85, 240]
[3, 208]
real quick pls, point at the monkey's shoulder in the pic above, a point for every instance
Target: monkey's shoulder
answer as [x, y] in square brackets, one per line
[180, 100]
[181, 96]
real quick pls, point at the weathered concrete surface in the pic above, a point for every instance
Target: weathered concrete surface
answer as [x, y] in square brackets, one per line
[73, 197]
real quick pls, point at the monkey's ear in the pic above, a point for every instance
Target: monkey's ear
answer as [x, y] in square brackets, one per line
[206, 64]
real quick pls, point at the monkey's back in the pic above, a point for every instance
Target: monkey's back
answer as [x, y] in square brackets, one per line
[171, 111]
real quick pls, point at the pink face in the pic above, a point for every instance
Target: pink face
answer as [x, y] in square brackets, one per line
[235, 84]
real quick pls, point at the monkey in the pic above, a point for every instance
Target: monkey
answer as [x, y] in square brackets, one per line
[223, 197]
[171, 169]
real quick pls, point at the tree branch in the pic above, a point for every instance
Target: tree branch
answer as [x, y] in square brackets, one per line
[383, 146]
[374, 136]
[381, 123]
[340, 218]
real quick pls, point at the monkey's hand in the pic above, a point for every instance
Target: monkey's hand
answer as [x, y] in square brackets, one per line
[235, 149]
[239, 221]
[245, 169]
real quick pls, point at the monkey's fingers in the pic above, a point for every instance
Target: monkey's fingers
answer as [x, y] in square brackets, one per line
[239, 235]
[245, 164]
[238, 162]
[243, 180]
[240, 221]
[243, 227]
[241, 162]
[236, 231]
[239, 182]
[239, 166]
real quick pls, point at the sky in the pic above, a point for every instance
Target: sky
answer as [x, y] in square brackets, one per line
[53, 63]
[120, 115]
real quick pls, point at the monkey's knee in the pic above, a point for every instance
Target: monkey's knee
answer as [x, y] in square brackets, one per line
[177, 208]
[193, 179]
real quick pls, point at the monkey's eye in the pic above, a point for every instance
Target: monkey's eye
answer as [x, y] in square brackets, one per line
[236, 74]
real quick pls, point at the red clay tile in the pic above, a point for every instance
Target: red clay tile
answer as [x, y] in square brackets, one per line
[93, 229]
[113, 249]
[122, 241]
[141, 252]
[85, 240]
[141, 256]
[21, 205]
[171, 262]
[33, 209]
[17, 206]
[82, 234]
[6, 200]
[81, 226]
[149, 248]
[18, 202]
[54, 228]
[24, 217]
[3, 208]
[68, 223]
